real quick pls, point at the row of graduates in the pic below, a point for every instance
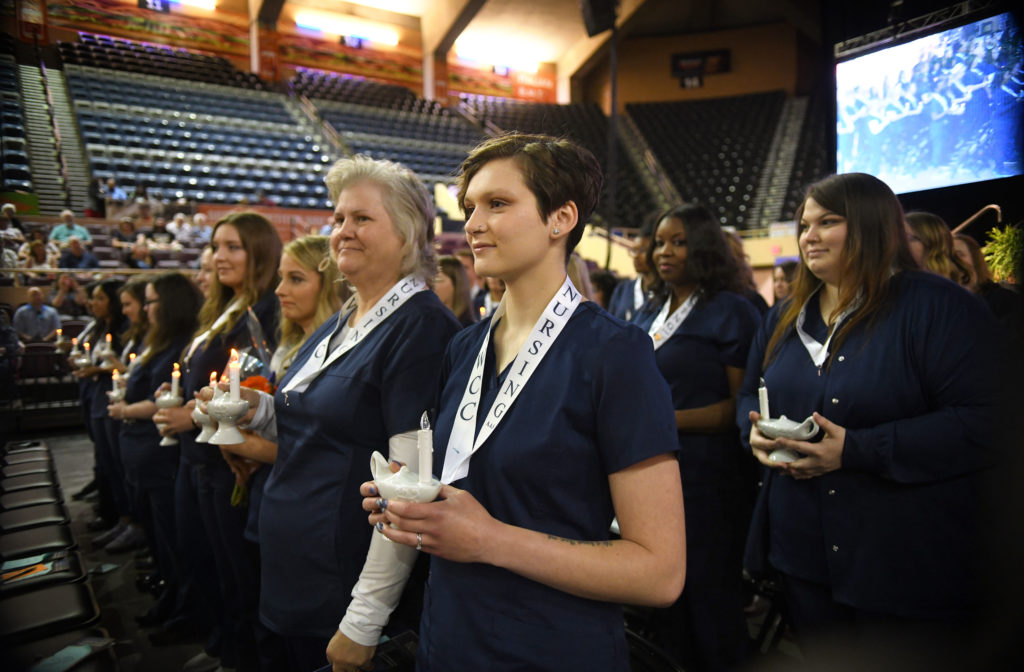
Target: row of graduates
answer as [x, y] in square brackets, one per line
[524, 572]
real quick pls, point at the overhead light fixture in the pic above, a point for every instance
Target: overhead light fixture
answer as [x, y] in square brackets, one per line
[497, 53]
[335, 24]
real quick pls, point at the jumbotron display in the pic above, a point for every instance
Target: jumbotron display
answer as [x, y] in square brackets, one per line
[938, 111]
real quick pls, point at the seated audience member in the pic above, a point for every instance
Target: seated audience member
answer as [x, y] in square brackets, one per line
[76, 256]
[96, 197]
[782, 279]
[10, 226]
[201, 230]
[139, 255]
[158, 233]
[125, 234]
[931, 245]
[115, 197]
[144, 217]
[36, 322]
[8, 259]
[180, 228]
[50, 249]
[69, 298]
[67, 228]
[38, 258]
[452, 286]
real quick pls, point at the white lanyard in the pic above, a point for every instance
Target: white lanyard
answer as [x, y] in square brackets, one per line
[220, 321]
[461, 444]
[638, 294]
[819, 351]
[665, 325]
[386, 306]
[489, 306]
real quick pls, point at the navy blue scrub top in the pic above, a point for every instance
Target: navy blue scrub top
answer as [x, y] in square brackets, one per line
[151, 463]
[893, 530]
[716, 334]
[213, 355]
[621, 302]
[313, 531]
[595, 405]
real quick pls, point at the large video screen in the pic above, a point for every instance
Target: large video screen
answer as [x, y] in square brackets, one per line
[938, 111]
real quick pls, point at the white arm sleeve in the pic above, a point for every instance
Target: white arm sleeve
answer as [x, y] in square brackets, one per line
[386, 569]
[264, 422]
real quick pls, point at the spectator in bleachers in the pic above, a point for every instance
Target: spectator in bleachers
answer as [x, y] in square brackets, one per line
[11, 228]
[69, 298]
[139, 256]
[702, 326]
[144, 218]
[452, 286]
[125, 235]
[38, 259]
[180, 228]
[201, 229]
[50, 249]
[75, 256]
[115, 197]
[96, 196]
[782, 279]
[264, 199]
[67, 228]
[157, 234]
[36, 322]
[8, 259]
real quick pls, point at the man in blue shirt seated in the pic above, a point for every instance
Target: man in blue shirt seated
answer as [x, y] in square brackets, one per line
[63, 232]
[76, 256]
[36, 322]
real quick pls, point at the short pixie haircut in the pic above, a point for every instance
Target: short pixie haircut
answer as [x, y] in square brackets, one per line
[555, 170]
[406, 200]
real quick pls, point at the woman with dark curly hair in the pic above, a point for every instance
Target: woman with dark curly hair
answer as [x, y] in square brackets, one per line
[702, 327]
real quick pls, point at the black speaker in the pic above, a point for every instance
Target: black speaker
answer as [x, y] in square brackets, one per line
[598, 15]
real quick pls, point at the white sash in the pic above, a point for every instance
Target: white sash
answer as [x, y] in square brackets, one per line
[386, 306]
[461, 444]
[819, 351]
[218, 323]
[638, 294]
[665, 325]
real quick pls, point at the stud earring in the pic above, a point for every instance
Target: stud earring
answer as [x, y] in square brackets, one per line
[556, 232]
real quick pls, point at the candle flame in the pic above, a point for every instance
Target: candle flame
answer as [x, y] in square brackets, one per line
[109, 337]
[224, 378]
[213, 377]
[74, 341]
[60, 331]
[131, 357]
[483, 312]
[234, 357]
[424, 421]
[87, 346]
[116, 376]
[177, 368]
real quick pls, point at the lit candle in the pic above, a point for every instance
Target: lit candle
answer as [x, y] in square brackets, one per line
[131, 359]
[116, 378]
[234, 374]
[60, 336]
[213, 380]
[110, 348]
[762, 397]
[74, 344]
[87, 347]
[425, 444]
[483, 312]
[175, 379]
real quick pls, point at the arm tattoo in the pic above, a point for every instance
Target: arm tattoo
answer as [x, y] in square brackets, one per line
[581, 542]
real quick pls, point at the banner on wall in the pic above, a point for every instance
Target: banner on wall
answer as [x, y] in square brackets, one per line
[117, 18]
[537, 87]
[393, 67]
[32, 20]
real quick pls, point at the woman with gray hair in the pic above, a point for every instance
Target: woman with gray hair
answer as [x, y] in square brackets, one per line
[359, 384]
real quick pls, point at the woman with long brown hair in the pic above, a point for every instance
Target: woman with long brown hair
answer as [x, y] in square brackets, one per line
[874, 520]
[246, 253]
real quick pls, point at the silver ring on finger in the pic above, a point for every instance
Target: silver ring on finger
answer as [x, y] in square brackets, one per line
[419, 541]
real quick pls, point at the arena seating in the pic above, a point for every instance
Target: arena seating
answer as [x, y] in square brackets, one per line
[212, 144]
[585, 123]
[46, 599]
[16, 173]
[811, 162]
[356, 90]
[714, 151]
[100, 51]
